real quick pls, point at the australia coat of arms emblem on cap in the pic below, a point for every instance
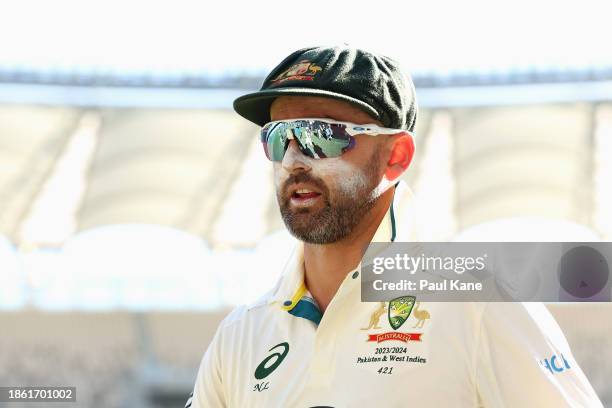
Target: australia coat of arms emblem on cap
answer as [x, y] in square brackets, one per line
[303, 70]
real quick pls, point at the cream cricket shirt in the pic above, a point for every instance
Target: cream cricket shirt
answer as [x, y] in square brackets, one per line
[281, 351]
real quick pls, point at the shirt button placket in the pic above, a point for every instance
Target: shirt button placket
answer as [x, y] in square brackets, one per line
[324, 353]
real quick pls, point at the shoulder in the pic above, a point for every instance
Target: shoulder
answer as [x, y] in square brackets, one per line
[525, 321]
[248, 312]
[256, 307]
[517, 312]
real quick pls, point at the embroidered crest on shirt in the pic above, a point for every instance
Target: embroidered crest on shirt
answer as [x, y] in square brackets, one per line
[398, 312]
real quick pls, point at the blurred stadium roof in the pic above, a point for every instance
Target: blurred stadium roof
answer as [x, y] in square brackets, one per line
[70, 169]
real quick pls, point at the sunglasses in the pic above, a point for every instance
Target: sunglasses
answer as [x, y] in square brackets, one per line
[316, 138]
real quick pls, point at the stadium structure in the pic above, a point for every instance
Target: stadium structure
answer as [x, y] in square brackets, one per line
[93, 162]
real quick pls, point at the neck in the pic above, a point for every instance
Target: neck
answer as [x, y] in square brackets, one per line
[326, 266]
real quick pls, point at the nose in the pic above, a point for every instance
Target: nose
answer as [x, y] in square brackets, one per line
[294, 160]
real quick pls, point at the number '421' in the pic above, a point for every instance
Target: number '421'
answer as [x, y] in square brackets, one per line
[385, 370]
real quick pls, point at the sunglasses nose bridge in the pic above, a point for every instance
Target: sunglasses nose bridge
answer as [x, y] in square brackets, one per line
[294, 158]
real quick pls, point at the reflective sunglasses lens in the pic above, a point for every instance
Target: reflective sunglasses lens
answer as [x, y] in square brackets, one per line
[315, 139]
[274, 141]
[321, 140]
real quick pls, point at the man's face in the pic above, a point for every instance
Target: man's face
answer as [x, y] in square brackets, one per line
[321, 201]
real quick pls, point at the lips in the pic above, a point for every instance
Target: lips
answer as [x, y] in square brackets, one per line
[303, 194]
[303, 190]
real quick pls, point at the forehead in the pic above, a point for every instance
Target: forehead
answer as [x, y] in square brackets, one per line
[292, 107]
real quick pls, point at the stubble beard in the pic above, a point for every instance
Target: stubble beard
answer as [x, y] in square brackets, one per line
[334, 222]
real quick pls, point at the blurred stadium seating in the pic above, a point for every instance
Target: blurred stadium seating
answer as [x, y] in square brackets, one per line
[121, 359]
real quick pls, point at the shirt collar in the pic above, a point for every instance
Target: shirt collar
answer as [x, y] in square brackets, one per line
[291, 288]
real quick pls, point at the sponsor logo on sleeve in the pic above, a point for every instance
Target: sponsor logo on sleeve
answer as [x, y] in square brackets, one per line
[555, 364]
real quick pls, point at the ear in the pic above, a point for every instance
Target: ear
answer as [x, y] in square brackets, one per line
[402, 151]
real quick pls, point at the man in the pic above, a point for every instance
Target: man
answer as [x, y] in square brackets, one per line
[337, 126]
